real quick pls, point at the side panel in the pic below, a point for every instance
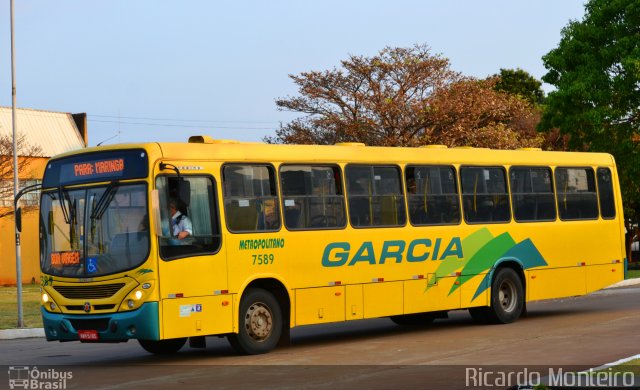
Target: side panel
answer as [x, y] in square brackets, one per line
[470, 295]
[383, 299]
[197, 316]
[556, 283]
[421, 296]
[320, 305]
[603, 275]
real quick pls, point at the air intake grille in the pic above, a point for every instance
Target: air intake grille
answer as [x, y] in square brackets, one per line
[89, 292]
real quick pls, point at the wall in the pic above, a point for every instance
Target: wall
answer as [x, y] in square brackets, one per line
[29, 238]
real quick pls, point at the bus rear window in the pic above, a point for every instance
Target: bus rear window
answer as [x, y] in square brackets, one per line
[605, 194]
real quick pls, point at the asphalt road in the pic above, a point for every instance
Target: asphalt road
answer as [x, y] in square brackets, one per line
[575, 333]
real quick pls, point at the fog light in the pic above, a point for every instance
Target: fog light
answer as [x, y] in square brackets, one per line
[138, 295]
[53, 306]
[131, 304]
[132, 330]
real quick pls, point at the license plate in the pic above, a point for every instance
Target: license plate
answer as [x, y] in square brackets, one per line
[88, 335]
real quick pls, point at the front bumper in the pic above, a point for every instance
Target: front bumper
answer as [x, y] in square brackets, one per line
[142, 323]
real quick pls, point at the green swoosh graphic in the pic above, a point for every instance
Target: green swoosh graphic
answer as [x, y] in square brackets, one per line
[484, 259]
[470, 244]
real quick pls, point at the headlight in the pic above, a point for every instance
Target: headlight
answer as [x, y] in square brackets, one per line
[137, 297]
[48, 303]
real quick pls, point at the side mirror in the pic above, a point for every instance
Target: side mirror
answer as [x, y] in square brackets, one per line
[19, 219]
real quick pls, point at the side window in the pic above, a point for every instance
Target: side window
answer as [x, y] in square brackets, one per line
[532, 194]
[432, 195]
[250, 198]
[605, 194]
[312, 197]
[189, 220]
[484, 194]
[375, 196]
[576, 189]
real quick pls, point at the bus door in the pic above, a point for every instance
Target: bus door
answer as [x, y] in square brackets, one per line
[192, 268]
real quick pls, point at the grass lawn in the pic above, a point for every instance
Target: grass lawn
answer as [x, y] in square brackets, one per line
[631, 366]
[30, 307]
[631, 274]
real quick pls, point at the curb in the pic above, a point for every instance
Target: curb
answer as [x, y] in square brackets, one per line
[10, 334]
[625, 283]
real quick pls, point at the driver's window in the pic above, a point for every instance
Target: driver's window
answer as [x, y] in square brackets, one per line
[188, 216]
[312, 197]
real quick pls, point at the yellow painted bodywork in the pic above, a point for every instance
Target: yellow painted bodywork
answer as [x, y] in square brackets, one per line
[582, 256]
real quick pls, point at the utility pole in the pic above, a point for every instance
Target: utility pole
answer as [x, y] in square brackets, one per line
[15, 173]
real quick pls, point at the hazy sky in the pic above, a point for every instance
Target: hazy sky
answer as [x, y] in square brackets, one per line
[152, 70]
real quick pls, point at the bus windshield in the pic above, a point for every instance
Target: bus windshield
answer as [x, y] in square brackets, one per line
[87, 232]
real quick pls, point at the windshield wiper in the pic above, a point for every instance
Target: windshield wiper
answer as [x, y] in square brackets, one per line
[66, 213]
[105, 200]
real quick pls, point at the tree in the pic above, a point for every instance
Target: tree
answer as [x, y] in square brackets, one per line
[404, 97]
[596, 70]
[520, 83]
[28, 153]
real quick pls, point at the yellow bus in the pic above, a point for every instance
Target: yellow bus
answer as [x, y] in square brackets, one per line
[279, 236]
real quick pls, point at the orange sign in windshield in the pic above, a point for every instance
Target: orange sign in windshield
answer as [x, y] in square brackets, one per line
[98, 167]
[61, 259]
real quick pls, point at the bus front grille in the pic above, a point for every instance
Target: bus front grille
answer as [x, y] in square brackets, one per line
[89, 292]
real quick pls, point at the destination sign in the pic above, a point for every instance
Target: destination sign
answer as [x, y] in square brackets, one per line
[65, 259]
[96, 167]
[110, 167]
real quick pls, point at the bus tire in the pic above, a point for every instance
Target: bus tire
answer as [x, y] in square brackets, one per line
[507, 297]
[163, 347]
[259, 323]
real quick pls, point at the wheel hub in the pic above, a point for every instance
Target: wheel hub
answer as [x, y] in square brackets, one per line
[507, 296]
[259, 321]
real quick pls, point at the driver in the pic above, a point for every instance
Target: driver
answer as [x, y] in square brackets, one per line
[180, 224]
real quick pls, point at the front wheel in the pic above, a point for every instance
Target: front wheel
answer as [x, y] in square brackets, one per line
[260, 323]
[163, 347]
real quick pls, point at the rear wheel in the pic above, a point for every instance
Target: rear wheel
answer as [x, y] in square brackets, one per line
[163, 347]
[507, 299]
[260, 323]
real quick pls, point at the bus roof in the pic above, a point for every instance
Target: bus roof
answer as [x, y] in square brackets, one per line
[225, 150]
